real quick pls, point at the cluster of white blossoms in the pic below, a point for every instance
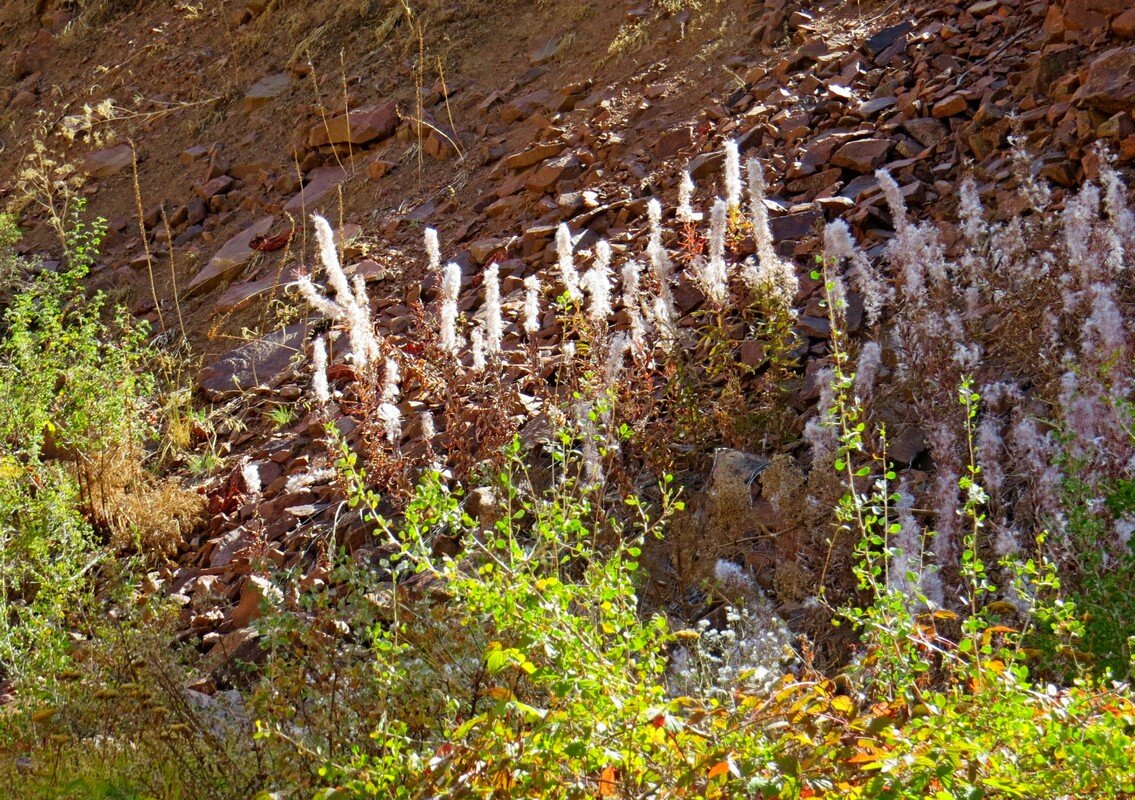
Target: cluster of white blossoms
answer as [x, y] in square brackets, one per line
[939, 306]
[652, 315]
[650, 309]
[350, 305]
[750, 653]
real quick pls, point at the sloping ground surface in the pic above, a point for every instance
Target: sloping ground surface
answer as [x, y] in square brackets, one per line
[494, 123]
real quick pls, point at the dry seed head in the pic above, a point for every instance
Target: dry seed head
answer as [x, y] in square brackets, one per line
[325, 238]
[450, 288]
[732, 176]
[771, 274]
[895, 200]
[359, 287]
[686, 211]
[531, 323]
[1081, 213]
[592, 465]
[477, 348]
[1037, 195]
[391, 387]
[1119, 235]
[907, 544]
[632, 302]
[867, 370]
[494, 329]
[310, 292]
[839, 245]
[360, 330]
[660, 263]
[947, 519]
[711, 272]
[762, 234]
[350, 306]
[732, 576]
[971, 214]
[433, 249]
[618, 346]
[251, 475]
[569, 275]
[319, 371]
[1006, 542]
[662, 268]
[819, 432]
[990, 452]
[1104, 335]
[392, 422]
[597, 283]
[665, 318]
[1124, 529]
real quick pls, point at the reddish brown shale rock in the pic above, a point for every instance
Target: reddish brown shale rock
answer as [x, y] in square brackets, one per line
[526, 106]
[864, 155]
[379, 167]
[1124, 25]
[265, 91]
[34, 57]
[320, 181]
[1110, 84]
[104, 163]
[264, 362]
[949, 106]
[358, 127]
[926, 130]
[1091, 15]
[534, 155]
[233, 255]
[241, 295]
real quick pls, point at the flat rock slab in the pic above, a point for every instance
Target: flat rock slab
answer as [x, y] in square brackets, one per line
[265, 91]
[795, 226]
[320, 181]
[886, 37]
[1124, 25]
[242, 295]
[1110, 85]
[104, 163]
[864, 155]
[233, 255]
[264, 362]
[550, 50]
[927, 131]
[534, 155]
[358, 127]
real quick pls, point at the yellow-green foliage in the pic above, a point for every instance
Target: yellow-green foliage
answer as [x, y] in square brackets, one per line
[69, 387]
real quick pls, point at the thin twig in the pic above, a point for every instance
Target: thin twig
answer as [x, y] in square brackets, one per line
[142, 232]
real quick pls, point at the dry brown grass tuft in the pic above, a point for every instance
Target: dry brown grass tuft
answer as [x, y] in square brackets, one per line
[154, 517]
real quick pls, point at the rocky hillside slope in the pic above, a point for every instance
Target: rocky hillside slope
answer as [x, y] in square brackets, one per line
[207, 134]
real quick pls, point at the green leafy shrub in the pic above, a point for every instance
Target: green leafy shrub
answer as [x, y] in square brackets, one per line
[70, 385]
[120, 722]
[570, 699]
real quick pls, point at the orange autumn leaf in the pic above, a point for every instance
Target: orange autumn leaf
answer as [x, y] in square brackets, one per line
[720, 768]
[607, 782]
[499, 693]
